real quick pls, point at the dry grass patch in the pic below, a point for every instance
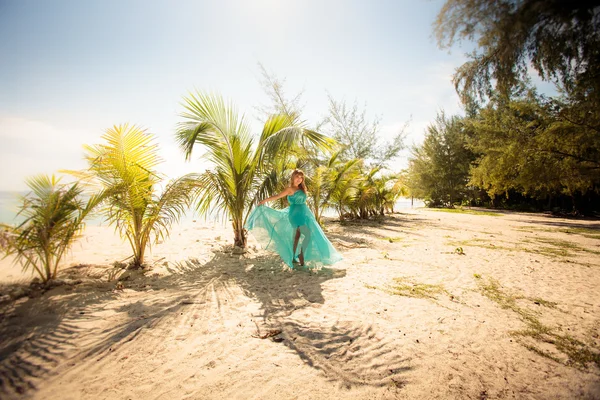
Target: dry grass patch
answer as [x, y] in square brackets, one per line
[564, 246]
[392, 239]
[537, 337]
[545, 246]
[406, 287]
[589, 233]
[482, 243]
[466, 211]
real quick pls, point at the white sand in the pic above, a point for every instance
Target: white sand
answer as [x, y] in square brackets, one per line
[187, 329]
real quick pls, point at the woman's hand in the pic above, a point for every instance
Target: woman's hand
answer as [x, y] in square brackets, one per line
[260, 203]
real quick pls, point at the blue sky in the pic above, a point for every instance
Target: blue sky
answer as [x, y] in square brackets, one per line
[71, 69]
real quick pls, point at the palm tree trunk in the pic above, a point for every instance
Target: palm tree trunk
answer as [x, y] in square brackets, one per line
[140, 243]
[47, 264]
[138, 258]
[340, 211]
[240, 239]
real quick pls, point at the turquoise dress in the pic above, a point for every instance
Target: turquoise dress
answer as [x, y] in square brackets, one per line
[275, 230]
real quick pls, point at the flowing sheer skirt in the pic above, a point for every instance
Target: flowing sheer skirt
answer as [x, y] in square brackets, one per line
[275, 230]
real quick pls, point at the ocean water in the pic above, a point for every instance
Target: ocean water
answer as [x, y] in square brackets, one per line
[10, 202]
[9, 206]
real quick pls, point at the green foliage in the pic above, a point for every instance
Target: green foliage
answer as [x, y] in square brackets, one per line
[343, 182]
[439, 168]
[376, 192]
[124, 167]
[352, 191]
[280, 103]
[54, 216]
[559, 39]
[523, 145]
[505, 140]
[331, 182]
[538, 148]
[527, 146]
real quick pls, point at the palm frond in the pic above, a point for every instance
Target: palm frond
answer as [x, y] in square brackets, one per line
[177, 197]
[280, 134]
[211, 122]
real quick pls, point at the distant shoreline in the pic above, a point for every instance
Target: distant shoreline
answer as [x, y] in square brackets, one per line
[9, 203]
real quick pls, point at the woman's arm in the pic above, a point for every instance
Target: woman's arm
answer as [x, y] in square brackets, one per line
[286, 192]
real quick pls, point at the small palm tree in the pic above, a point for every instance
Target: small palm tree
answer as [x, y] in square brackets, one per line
[342, 181]
[54, 216]
[367, 199]
[243, 164]
[124, 168]
[389, 189]
[328, 175]
[318, 191]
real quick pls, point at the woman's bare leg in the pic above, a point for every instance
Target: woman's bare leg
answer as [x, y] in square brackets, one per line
[301, 258]
[305, 242]
[296, 239]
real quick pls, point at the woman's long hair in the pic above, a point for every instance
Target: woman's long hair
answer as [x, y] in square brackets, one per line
[295, 173]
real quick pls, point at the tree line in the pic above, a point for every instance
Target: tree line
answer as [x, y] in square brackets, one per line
[514, 147]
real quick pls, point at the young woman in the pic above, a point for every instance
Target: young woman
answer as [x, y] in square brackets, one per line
[292, 232]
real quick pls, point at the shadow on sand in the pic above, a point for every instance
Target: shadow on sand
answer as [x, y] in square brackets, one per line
[351, 234]
[69, 322]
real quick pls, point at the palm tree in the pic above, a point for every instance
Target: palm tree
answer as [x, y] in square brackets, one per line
[375, 193]
[124, 167]
[343, 181]
[327, 175]
[366, 200]
[54, 216]
[243, 163]
[389, 189]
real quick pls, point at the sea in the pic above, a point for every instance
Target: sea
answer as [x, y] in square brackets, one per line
[10, 202]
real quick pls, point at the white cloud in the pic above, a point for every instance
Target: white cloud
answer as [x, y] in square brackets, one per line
[32, 147]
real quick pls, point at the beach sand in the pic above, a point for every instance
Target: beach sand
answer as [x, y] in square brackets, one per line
[425, 305]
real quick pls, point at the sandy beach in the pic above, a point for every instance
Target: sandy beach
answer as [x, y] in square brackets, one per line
[425, 305]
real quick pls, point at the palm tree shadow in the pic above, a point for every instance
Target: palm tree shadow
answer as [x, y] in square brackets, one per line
[23, 358]
[348, 353]
[34, 339]
[38, 334]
